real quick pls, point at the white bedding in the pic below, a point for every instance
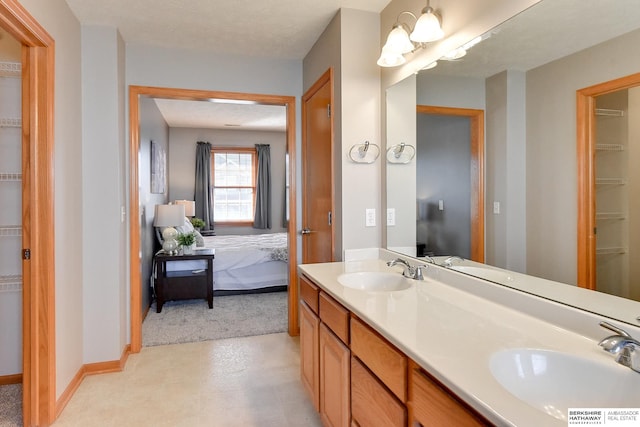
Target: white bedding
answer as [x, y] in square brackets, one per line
[244, 262]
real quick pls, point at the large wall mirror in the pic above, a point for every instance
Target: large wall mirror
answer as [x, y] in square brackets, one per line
[523, 77]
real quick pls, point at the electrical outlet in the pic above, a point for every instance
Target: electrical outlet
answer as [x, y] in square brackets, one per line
[370, 218]
[391, 217]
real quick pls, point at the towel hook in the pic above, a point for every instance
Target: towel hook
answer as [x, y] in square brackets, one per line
[364, 153]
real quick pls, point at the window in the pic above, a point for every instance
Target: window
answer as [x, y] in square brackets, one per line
[234, 176]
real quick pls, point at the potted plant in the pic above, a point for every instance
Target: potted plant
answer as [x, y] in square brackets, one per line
[197, 223]
[187, 241]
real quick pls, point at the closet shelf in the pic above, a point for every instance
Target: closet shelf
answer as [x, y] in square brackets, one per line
[10, 230]
[10, 69]
[10, 283]
[609, 112]
[610, 215]
[9, 122]
[10, 177]
[609, 147]
[610, 181]
[611, 251]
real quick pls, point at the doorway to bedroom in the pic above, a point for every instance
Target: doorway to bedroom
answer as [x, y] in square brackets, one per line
[192, 104]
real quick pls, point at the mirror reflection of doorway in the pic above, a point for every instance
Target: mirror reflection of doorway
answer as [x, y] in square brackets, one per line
[609, 214]
[617, 211]
[450, 182]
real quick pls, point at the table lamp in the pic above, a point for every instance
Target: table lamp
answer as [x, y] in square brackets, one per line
[189, 207]
[169, 216]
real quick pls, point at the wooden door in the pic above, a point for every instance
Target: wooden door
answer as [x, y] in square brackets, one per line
[476, 167]
[317, 172]
[309, 363]
[586, 170]
[335, 376]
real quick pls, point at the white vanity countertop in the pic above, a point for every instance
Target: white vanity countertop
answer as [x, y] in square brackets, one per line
[453, 334]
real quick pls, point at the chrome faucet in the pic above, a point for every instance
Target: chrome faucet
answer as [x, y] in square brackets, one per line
[449, 261]
[409, 271]
[623, 345]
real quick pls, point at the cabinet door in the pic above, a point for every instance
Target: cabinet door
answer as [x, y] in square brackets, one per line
[431, 405]
[372, 404]
[335, 408]
[309, 354]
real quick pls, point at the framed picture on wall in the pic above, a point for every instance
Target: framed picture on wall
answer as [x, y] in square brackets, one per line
[158, 168]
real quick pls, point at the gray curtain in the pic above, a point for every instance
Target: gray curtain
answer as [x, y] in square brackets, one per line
[262, 216]
[203, 195]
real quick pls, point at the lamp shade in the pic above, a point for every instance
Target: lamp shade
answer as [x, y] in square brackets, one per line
[398, 40]
[189, 206]
[169, 216]
[427, 28]
[389, 58]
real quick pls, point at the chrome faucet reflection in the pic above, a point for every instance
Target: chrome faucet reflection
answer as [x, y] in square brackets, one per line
[449, 261]
[409, 271]
[623, 345]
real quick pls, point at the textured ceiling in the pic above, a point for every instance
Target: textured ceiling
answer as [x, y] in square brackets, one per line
[281, 29]
[547, 31]
[274, 28]
[203, 114]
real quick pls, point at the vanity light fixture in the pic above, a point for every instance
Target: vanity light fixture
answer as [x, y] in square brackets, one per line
[402, 39]
[434, 64]
[428, 27]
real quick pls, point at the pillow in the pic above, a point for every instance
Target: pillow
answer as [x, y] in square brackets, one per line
[199, 239]
[187, 227]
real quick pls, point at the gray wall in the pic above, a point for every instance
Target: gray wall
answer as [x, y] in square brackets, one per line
[505, 166]
[105, 296]
[182, 154]
[152, 128]
[350, 46]
[443, 174]
[551, 170]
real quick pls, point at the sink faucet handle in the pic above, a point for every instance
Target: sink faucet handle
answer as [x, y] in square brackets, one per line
[615, 329]
[417, 274]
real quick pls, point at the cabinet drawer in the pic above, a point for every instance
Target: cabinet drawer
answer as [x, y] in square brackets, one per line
[433, 405]
[335, 316]
[371, 403]
[309, 293]
[383, 359]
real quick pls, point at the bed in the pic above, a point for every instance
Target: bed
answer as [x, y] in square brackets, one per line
[246, 263]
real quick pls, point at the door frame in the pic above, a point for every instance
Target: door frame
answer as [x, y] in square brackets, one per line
[476, 122]
[326, 77]
[135, 92]
[585, 144]
[38, 280]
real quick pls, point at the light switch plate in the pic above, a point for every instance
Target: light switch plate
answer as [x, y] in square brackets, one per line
[496, 207]
[370, 218]
[391, 217]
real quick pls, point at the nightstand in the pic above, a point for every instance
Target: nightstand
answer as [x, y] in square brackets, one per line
[184, 284]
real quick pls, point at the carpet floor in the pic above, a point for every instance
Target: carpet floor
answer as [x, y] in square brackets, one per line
[11, 405]
[231, 316]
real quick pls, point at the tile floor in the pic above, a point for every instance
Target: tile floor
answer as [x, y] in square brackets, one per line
[250, 381]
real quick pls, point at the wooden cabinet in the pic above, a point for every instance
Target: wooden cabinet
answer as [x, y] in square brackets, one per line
[309, 353]
[432, 405]
[357, 378]
[324, 354]
[334, 379]
[383, 359]
[372, 404]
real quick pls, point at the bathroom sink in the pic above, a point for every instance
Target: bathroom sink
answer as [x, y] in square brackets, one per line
[484, 273]
[374, 281]
[553, 382]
